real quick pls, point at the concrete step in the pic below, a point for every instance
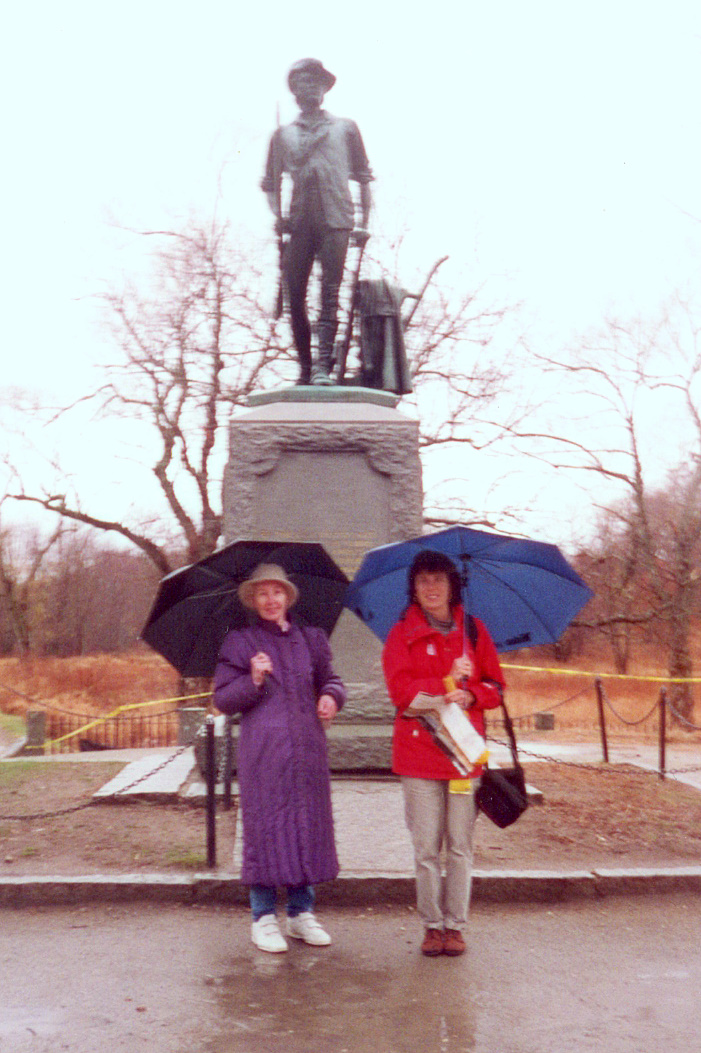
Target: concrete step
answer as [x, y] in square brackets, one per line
[158, 776]
[351, 747]
[355, 747]
[163, 775]
[360, 747]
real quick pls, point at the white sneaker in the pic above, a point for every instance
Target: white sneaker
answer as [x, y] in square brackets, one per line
[266, 935]
[305, 927]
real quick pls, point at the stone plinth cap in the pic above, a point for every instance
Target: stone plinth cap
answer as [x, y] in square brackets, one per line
[334, 393]
[321, 412]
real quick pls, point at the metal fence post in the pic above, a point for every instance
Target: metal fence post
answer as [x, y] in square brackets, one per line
[36, 732]
[663, 732]
[211, 767]
[602, 719]
[228, 762]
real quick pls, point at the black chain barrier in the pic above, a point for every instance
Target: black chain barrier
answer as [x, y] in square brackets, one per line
[681, 718]
[555, 760]
[600, 769]
[604, 768]
[20, 694]
[91, 802]
[40, 702]
[50, 708]
[552, 708]
[617, 715]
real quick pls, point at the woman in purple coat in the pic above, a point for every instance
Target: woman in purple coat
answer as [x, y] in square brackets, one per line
[278, 676]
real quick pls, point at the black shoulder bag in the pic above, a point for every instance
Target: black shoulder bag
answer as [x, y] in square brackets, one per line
[502, 791]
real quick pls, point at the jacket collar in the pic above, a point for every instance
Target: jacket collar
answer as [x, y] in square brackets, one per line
[417, 626]
[272, 627]
[312, 120]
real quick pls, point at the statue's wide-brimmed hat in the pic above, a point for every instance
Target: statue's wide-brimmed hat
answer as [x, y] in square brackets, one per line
[311, 65]
[266, 572]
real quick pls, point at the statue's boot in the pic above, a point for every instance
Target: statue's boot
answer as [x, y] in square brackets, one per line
[321, 369]
[305, 366]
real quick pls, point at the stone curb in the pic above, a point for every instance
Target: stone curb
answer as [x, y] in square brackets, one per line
[349, 890]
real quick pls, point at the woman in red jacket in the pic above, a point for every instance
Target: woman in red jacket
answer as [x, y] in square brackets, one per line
[428, 645]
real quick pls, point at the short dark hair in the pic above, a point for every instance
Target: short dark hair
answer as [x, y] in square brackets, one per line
[434, 562]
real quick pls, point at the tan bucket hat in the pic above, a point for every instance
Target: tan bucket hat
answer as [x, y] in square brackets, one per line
[266, 572]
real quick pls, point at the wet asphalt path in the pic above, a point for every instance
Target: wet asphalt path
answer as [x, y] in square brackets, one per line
[621, 975]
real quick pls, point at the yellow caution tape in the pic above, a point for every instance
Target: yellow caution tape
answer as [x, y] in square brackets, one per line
[117, 711]
[606, 676]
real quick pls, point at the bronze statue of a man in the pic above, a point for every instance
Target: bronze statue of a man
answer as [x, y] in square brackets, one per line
[321, 154]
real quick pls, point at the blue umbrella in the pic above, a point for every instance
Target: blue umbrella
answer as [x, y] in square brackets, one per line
[525, 592]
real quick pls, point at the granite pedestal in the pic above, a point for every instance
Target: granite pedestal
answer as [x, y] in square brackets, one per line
[335, 465]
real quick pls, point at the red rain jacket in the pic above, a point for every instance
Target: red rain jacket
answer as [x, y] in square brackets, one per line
[416, 657]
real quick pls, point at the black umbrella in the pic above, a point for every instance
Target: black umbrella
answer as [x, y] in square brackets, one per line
[198, 605]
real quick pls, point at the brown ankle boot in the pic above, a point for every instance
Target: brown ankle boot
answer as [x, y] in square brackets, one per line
[453, 943]
[433, 943]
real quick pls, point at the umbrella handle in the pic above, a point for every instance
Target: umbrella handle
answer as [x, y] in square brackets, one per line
[451, 684]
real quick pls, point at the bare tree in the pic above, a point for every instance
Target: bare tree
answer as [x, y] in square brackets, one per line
[466, 352]
[94, 597]
[191, 350]
[622, 609]
[460, 366]
[69, 593]
[23, 557]
[632, 380]
[196, 345]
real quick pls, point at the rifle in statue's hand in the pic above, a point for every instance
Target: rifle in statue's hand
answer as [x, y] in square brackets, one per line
[363, 238]
[280, 300]
[275, 200]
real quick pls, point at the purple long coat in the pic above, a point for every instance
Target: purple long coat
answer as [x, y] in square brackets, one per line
[283, 773]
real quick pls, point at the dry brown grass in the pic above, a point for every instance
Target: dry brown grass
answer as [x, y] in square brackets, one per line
[568, 690]
[97, 684]
[76, 691]
[91, 684]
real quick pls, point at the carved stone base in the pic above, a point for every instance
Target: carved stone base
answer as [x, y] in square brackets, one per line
[345, 472]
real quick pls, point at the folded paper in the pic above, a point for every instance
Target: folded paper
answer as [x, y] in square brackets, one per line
[452, 728]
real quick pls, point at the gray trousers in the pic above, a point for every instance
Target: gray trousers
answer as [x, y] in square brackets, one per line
[435, 817]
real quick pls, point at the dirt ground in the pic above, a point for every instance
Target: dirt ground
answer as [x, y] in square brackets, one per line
[603, 816]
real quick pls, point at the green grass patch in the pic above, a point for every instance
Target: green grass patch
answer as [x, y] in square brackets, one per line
[14, 772]
[185, 858]
[13, 724]
[20, 774]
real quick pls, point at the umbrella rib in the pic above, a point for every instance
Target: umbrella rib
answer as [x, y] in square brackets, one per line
[516, 584]
[489, 573]
[209, 595]
[186, 635]
[212, 614]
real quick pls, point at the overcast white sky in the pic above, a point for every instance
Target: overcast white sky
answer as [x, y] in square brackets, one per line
[555, 143]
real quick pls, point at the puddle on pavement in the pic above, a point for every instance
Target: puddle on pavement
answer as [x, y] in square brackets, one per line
[29, 1024]
[328, 1001]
